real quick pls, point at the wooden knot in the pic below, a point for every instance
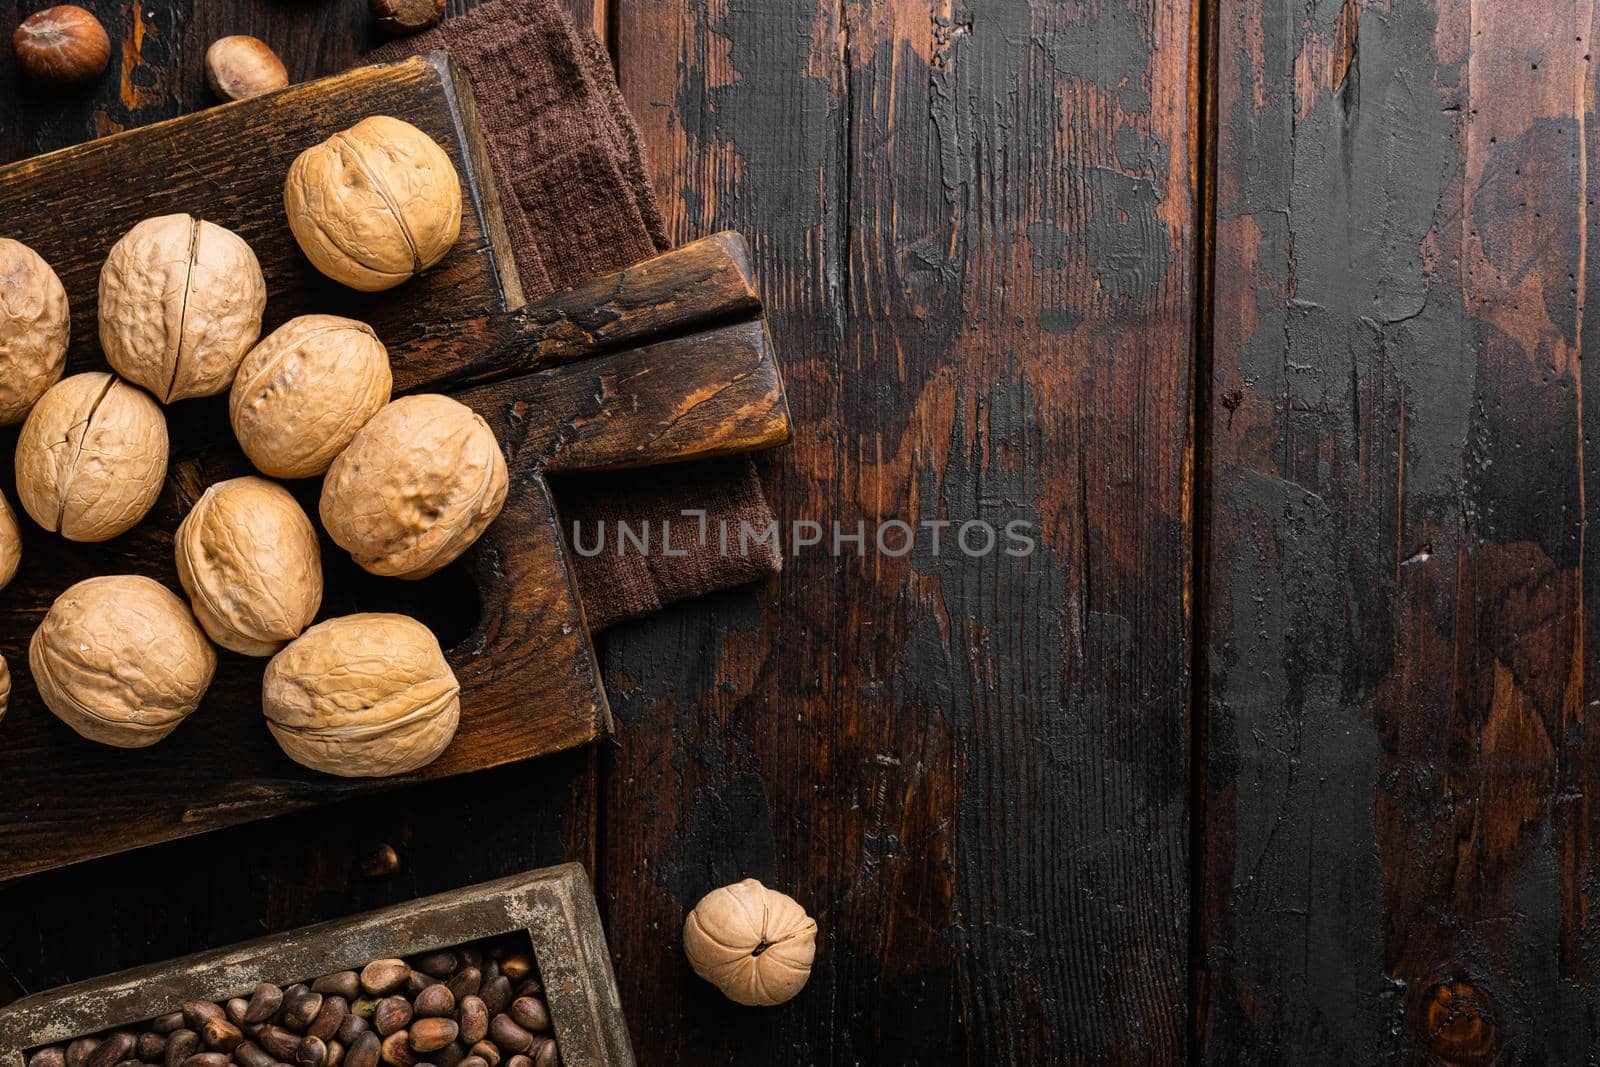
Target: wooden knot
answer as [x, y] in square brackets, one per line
[1459, 1022]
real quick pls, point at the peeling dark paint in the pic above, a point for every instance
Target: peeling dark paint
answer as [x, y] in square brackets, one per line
[1111, 48]
[1396, 541]
[1059, 320]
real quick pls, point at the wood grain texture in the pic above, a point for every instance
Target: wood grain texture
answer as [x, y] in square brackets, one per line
[973, 226]
[975, 219]
[1398, 859]
[696, 287]
[504, 612]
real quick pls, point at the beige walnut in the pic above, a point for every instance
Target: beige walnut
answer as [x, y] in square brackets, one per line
[753, 943]
[417, 486]
[120, 660]
[34, 329]
[374, 205]
[304, 391]
[91, 457]
[10, 543]
[362, 696]
[247, 556]
[180, 304]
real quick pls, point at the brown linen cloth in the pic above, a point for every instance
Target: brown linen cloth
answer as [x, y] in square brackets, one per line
[578, 202]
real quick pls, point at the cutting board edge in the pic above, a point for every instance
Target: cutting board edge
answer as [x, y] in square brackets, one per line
[588, 730]
[464, 111]
[436, 61]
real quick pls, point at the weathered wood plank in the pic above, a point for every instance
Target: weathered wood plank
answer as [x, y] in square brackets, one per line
[698, 397]
[697, 287]
[1398, 844]
[973, 226]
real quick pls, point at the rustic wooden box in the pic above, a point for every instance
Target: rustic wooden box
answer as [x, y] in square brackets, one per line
[555, 906]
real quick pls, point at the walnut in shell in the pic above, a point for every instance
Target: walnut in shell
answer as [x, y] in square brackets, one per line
[304, 391]
[120, 660]
[180, 304]
[240, 66]
[34, 324]
[362, 696]
[417, 486]
[5, 687]
[91, 457]
[10, 543]
[753, 943]
[374, 205]
[247, 557]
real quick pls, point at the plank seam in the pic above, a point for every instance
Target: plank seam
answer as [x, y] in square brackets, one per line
[1203, 157]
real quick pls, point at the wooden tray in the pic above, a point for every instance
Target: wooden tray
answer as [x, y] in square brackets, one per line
[555, 906]
[564, 383]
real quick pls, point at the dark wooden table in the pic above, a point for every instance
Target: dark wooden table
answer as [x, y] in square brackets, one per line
[1268, 315]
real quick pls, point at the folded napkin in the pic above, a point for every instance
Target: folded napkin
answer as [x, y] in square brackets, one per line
[578, 202]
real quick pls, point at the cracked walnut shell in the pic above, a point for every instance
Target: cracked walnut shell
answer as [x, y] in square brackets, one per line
[34, 329]
[304, 391]
[180, 304]
[753, 943]
[120, 660]
[362, 696]
[417, 486]
[374, 205]
[91, 457]
[247, 556]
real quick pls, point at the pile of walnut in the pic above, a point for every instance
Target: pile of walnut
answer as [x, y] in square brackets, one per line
[478, 1005]
[410, 484]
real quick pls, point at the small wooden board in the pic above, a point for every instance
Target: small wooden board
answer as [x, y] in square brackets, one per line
[555, 906]
[576, 393]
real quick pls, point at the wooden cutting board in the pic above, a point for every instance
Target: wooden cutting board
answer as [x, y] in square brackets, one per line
[664, 362]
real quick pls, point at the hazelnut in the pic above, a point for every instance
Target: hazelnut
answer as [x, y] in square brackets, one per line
[374, 205]
[407, 16]
[91, 457]
[241, 66]
[34, 325]
[10, 543]
[120, 660]
[362, 696]
[180, 305]
[247, 557]
[62, 44]
[753, 943]
[417, 486]
[303, 392]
